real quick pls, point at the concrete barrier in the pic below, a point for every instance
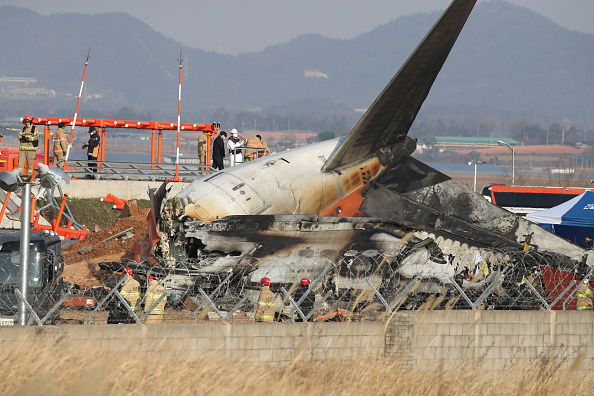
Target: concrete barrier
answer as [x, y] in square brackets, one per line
[422, 339]
[123, 189]
[258, 342]
[494, 338]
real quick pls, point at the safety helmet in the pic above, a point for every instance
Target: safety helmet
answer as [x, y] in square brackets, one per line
[304, 282]
[27, 118]
[128, 271]
[234, 132]
[265, 281]
[150, 277]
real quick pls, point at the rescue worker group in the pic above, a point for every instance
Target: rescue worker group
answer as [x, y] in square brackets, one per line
[29, 141]
[155, 301]
[239, 149]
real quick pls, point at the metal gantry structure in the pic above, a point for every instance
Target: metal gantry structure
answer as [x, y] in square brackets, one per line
[156, 128]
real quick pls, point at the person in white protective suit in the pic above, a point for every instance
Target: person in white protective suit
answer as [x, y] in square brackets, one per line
[233, 144]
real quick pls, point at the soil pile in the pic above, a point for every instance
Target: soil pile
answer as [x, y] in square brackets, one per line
[105, 245]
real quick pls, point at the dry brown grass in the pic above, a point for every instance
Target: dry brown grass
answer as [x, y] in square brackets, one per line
[37, 368]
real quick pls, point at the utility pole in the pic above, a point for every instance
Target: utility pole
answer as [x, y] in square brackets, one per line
[502, 143]
[475, 163]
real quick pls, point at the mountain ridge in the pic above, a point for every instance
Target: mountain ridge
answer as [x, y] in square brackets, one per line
[508, 62]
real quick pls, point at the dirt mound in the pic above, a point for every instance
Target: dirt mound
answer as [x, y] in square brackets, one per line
[99, 241]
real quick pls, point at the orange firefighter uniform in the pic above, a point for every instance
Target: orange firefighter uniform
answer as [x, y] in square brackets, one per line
[60, 144]
[202, 148]
[131, 292]
[252, 143]
[266, 305]
[584, 296]
[29, 140]
[154, 291]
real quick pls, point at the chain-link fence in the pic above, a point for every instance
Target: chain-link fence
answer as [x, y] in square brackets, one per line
[351, 286]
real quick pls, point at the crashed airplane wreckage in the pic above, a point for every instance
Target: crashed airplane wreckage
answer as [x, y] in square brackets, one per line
[290, 214]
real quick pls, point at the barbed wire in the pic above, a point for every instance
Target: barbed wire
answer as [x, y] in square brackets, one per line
[354, 283]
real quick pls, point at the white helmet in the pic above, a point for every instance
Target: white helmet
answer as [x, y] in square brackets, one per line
[234, 132]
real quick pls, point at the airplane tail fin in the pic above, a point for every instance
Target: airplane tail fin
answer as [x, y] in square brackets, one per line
[391, 115]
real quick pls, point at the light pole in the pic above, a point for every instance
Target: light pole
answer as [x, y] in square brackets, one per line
[502, 143]
[475, 163]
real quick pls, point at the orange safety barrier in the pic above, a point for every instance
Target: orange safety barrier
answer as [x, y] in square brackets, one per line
[9, 159]
[118, 202]
[60, 212]
[4, 205]
[67, 232]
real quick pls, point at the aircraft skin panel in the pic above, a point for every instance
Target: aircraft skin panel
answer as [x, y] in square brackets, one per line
[289, 182]
[390, 117]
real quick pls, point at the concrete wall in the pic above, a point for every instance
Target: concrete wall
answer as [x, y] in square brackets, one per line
[496, 338]
[82, 188]
[239, 341]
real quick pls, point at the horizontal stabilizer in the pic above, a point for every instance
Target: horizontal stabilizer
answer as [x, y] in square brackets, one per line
[390, 117]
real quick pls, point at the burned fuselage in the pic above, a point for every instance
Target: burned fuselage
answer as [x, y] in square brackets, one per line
[361, 204]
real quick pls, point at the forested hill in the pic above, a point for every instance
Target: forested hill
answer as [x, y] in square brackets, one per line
[508, 62]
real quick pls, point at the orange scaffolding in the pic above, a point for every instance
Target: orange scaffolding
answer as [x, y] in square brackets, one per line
[101, 124]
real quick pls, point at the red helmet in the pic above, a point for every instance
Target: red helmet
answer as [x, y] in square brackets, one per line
[128, 271]
[304, 282]
[150, 277]
[27, 118]
[265, 281]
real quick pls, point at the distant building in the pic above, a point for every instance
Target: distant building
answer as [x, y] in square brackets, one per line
[471, 142]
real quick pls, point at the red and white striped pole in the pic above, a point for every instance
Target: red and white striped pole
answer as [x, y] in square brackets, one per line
[176, 178]
[76, 112]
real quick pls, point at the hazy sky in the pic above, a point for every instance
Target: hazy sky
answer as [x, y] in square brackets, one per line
[235, 26]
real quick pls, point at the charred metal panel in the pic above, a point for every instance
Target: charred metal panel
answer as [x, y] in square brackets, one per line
[453, 208]
[286, 248]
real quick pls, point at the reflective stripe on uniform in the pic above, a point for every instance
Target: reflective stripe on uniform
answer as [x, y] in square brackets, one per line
[130, 294]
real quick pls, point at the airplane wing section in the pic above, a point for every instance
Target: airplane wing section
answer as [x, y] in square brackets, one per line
[391, 115]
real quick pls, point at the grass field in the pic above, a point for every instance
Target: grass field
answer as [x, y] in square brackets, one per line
[91, 211]
[39, 368]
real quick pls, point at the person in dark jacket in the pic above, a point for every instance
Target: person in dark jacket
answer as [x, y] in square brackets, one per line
[586, 243]
[92, 147]
[308, 303]
[218, 151]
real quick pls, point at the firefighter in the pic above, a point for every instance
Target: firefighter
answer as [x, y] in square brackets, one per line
[584, 294]
[154, 291]
[264, 149]
[255, 142]
[131, 290]
[308, 303]
[266, 303]
[202, 148]
[29, 140]
[60, 144]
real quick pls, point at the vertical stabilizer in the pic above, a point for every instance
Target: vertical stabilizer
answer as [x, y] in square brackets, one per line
[390, 117]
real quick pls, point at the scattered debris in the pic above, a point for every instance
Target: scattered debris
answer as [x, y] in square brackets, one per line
[126, 234]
